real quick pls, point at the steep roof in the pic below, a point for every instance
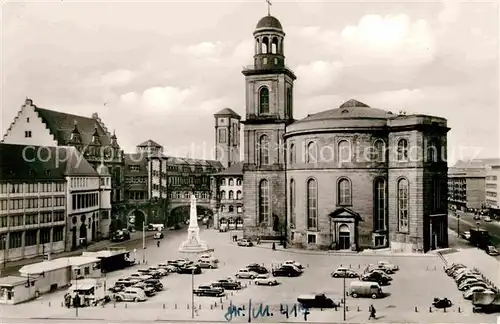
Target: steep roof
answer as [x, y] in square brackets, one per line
[37, 163]
[235, 169]
[62, 124]
[149, 143]
[227, 112]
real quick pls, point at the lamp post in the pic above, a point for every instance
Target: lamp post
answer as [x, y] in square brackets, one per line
[458, 225]
[144, 242]
[192, 293]
[76, 270]
[345, 302]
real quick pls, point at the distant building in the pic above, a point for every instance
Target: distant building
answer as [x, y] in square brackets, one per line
[43, 197]
[227, 137]
[43, 127]
[467, 184]
[158, 187]
[493, 189]
[347, 178]
[229, 196]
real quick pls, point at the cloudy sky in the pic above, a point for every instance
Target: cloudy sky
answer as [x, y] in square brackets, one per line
[163, 69]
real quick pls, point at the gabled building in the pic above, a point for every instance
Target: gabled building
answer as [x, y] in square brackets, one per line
[229, 197]
[43, 127]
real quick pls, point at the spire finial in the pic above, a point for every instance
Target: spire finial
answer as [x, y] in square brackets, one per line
[269, 4]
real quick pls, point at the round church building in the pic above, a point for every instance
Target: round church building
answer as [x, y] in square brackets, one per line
[359, 177]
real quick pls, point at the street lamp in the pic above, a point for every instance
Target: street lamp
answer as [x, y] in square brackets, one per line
[76, 273]
[458, 225]
[345, 272]
[144, 242]
[4, 247]
[192, 292]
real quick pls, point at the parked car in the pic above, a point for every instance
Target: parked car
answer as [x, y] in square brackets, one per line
[116, 289]
[167, 267]
[257, 268]
[158, 236]
[286, 271]
[450, 271]
[487, 219]
[155, 283]
[380, 267]
[207, 264]
[465, 235]
[189, 269]
[442, 303]
[477, 283]
[468, 294]
[127, 282]
[131, 294]
[228, 284]
[149, 290]
[208, 290]
[491, 250]
[342, 272]
[246, 274]
[245, 242]
[294, 263]
[264, 279]
[377, 277]
[388, 265]
[160, 271]
[208, 257]
[317, 301]
[365, 289]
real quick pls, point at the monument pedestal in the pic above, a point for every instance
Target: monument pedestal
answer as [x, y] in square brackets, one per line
[193, 246]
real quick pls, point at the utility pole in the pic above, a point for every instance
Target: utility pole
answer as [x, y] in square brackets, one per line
[344, 296]
[458, 225]
[144, 242]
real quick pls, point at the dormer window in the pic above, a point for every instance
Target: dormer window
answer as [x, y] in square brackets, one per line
[95, 137]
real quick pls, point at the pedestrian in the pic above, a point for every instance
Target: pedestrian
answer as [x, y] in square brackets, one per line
[158, 243]
[274, 246]
[372, 312]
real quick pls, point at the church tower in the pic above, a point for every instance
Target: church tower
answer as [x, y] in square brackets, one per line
[227, 137]
[269, 109]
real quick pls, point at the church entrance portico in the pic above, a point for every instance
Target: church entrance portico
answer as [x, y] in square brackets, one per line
[344, 229]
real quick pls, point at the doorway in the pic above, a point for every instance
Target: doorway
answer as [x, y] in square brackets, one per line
[344, 237]
[73, 237]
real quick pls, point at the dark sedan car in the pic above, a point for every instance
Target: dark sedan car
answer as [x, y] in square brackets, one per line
[209, 291]
[376, 277]
[155, 283]
[286, 271]
[227, 284]
[189, 270]
[257, 268]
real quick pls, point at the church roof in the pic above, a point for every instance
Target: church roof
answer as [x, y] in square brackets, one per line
[227, 112]
[149, 143]
[235, 169]
[269, 22]
[62, 124]
[36, 163]
[351, 109]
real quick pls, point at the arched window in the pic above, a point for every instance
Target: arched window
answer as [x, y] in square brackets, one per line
[380, 212]
[238, 195]
[432, 151]
[274, 45]
[344, 192]
[344, 151]
[231, 194]
[312, 204]
[222, 194]
[379, 151]
[402, 150]
[292, 203]
[222, 209]
[231, 182]
[231, 209]
[292, 153]
[264, 150]
[264, 100]
[264, 201]
[403, 207]
[264, 49]
[222, 182]
[238, 182]
[186, 195]
[312, 153]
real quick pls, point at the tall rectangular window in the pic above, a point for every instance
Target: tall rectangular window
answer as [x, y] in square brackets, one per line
[222, 135]
[312, 204]
[292, 203]
[264, 201]
[379, 219]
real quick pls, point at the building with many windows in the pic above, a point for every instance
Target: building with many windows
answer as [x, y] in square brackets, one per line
[229, 197]
[227, 137]
[492, 185]
[351, 177]
[37, 197]
[43, 127]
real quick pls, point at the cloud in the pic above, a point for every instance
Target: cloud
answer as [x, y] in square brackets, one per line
[203, 49]
[165, 99]
[117, 77]
[317, 76]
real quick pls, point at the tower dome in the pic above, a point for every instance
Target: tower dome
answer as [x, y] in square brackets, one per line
[269, 22]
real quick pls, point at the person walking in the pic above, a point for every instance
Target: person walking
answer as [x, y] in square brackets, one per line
[158, 243]
[274, 246]
[372, 312]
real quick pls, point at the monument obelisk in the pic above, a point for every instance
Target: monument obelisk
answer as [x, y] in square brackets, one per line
[193, 245]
